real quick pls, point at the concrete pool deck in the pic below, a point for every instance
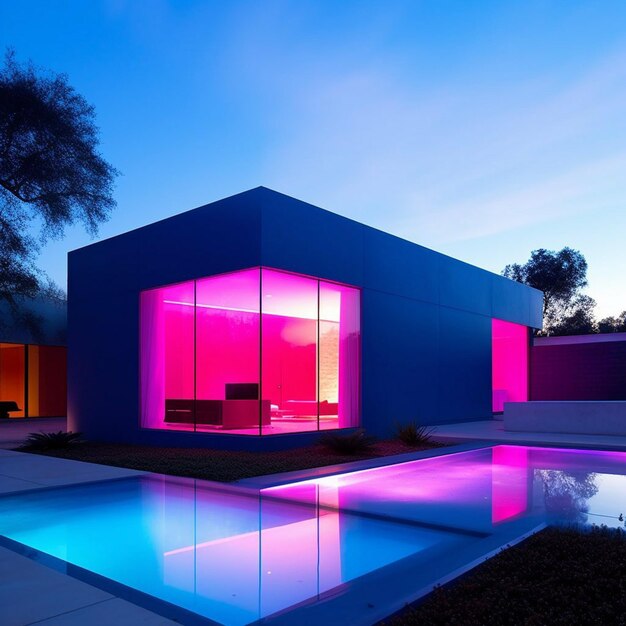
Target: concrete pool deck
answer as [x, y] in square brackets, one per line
[492, 432]
[34, 593]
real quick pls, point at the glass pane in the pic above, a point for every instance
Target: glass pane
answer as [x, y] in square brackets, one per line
[289, 351]
[12, 378]
[509, 363]
[227, 354]
[167, 357]
[340, 345]
[47, 381]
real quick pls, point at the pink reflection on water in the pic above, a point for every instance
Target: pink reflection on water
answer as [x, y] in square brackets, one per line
[510, 482]
[454, 490]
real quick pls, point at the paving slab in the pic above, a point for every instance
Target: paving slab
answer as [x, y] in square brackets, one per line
[30, 592]
[9, 484]
[114, 611]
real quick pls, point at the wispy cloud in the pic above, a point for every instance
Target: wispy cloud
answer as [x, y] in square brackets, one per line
[449, 161]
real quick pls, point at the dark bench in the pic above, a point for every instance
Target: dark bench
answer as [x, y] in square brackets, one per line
[7, 406]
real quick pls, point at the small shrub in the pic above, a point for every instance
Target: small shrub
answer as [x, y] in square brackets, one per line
[353, 443]
[50, 441]
[412, 434]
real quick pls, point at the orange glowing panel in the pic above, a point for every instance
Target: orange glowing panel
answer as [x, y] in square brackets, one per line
[12, 376]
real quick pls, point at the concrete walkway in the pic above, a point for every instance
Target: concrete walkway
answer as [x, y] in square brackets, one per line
[24, 472]
[492, 431]
[33, 593]
[14, 431]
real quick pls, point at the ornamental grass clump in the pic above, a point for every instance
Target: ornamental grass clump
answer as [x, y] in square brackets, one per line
[50, 441]
[357, 442]
[412, 434]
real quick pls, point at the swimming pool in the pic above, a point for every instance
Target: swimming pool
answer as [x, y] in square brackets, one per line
[350, 547]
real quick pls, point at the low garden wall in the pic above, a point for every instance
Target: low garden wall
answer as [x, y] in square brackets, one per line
[579, 417]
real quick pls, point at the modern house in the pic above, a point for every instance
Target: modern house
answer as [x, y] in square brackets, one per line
[33, 359]
[259, 320]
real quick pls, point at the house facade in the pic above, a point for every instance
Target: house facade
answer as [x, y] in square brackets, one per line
[259, 320]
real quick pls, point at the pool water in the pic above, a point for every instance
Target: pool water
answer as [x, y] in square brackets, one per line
[481, 489]
[235, 556]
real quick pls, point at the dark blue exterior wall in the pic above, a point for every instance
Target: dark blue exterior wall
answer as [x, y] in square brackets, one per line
[426, 318]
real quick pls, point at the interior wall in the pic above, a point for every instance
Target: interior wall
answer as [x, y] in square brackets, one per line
[227, 351]
[289, 360]
[47, 382]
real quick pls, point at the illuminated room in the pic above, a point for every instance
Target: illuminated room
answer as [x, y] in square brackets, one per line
[209, 345]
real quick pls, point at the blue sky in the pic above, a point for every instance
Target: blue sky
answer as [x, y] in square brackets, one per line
[481, 129]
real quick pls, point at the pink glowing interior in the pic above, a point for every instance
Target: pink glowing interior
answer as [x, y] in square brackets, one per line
[208, 346]
[509, 363]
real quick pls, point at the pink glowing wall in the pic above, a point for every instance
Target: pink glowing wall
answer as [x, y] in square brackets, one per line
[509, 363]
[253, 326]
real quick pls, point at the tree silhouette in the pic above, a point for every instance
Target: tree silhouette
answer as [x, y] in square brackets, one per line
[51, 173]
[566, 494]
[561, 276]
[613, 324]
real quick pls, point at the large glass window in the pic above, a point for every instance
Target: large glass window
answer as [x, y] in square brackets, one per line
[509, 363]
[254, 352]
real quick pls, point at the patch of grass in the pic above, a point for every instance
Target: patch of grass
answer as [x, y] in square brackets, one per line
[220, 465]
[357, 442]
[412, 434]
[50, 441]
[560, 576]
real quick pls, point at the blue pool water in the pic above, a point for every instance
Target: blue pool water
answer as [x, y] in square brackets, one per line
[235, 556]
